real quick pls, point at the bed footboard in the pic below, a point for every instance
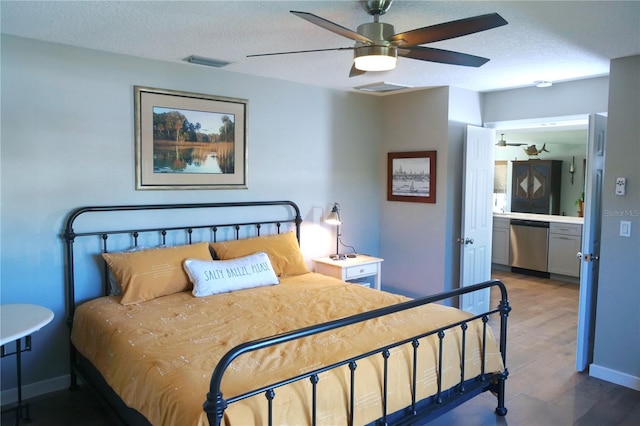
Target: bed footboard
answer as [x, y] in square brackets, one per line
[418, 411]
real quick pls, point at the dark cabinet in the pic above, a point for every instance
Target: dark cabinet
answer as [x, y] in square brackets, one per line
[536, 186]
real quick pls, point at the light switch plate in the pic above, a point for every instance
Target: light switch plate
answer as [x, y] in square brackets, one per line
[625, 228]
[621, 186]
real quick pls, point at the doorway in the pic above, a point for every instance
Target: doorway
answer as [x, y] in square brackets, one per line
[562, 138]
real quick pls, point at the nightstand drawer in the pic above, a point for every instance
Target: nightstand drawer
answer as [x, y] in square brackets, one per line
[358, 271]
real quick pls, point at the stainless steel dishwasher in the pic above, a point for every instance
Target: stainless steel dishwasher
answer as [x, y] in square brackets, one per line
[529, 244]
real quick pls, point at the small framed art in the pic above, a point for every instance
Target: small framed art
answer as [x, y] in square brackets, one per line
[189, 141]
[411, 176]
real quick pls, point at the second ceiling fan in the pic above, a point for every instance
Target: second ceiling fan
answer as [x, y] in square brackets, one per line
[502, 143]
[377, 46]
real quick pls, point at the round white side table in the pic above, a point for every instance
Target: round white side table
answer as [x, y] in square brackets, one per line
[18, 321]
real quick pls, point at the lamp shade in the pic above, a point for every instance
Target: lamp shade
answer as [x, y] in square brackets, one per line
[333, 218]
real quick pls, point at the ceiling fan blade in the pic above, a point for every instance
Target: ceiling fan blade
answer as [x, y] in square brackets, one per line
[299, 51]
[355, 71]
[331, 26]
[442, 56]
[448, 30]
[502, 145]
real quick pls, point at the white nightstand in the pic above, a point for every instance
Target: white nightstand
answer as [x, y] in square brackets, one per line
[350, 268]
[17, 322]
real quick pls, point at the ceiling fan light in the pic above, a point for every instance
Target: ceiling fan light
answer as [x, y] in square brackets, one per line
[375, 58]
[375, 63]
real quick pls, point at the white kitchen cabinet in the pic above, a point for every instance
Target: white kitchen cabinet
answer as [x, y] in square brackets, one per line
[565, 241]
[500, 242]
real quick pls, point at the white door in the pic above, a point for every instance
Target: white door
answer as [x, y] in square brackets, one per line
[477, 217]
[590, 254]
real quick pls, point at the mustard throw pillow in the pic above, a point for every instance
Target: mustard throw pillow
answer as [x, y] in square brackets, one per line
[283, 250]
[145, 275]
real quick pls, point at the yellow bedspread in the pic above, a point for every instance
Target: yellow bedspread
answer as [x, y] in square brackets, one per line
[159, 355]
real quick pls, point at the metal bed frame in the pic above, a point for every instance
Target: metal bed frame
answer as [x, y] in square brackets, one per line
[416, 413]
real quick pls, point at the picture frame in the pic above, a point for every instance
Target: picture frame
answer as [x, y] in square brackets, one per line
[187, 140]
[411, 176]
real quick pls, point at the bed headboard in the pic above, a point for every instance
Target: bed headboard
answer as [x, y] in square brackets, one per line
[104, 229]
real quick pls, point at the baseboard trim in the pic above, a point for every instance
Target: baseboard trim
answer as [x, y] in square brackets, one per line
[566, 278]
[500, 267]
[33, 390]
[613, 376]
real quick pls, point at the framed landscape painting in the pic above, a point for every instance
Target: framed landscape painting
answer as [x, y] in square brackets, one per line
[189, 141]
[411, 176]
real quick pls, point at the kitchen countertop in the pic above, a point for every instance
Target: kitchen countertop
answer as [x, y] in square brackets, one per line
[541, 217]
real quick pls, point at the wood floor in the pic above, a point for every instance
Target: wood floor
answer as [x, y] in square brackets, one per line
[542, 389]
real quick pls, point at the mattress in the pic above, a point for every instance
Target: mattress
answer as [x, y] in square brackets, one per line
[158, 356]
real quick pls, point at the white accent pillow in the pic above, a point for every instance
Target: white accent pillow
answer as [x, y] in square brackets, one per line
[221, 276]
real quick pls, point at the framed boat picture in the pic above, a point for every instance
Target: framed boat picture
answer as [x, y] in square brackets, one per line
[189, 141]
[411, 176]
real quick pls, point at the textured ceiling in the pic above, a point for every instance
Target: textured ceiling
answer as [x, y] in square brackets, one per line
[544, 40]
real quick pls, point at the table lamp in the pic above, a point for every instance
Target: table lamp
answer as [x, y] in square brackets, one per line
[333, 218]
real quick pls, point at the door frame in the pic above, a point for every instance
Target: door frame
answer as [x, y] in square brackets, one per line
[591, 233]
[528, 123]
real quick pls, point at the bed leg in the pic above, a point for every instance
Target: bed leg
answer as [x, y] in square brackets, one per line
[501, 410]
[73, 376]
[73, 386]
[214, 406]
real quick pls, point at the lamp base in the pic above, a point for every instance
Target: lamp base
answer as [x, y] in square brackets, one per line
[342, 256]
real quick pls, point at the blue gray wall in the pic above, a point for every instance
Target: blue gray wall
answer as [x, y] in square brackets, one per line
[68, 141]
[617, 337]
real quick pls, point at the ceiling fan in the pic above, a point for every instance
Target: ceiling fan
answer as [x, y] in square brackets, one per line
[378, 46]
[503, 143]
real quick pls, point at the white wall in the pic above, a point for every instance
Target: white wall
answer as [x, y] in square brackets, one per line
[68, 141]
[617, 336]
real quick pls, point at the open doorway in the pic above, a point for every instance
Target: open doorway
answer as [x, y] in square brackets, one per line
[562, 139]
[568, 140]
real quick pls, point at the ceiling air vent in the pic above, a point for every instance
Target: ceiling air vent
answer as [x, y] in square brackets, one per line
[383, 86]
[210, 62]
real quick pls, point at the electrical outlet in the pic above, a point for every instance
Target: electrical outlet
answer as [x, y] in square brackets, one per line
[625, 228]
